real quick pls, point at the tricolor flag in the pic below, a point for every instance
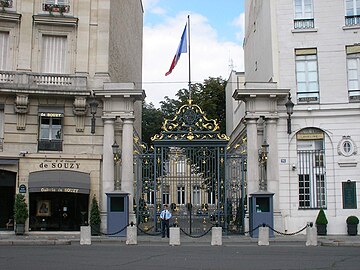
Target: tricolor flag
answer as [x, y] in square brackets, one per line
[181, 49]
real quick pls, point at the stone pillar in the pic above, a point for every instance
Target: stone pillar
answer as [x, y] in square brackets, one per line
[131, 235]
[252, 159]
[272, 169]
[108, 168]
[216, 236]
[174, 236]
[85, 235]
[127, 160]
[263, 236]
[311, 236]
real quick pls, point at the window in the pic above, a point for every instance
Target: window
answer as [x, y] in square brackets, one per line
[352, 16]
[307, 75]
[50, 134]
[347, 147]
[4, 50]
[311, 169]
[181, 195]
[150, 197]
[211, 197]
[353, 71]
[196, 195]
[53, 58]
[304, 17]
[165, 195]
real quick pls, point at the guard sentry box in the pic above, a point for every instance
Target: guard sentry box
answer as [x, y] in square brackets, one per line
[261, 212]
[117, 213]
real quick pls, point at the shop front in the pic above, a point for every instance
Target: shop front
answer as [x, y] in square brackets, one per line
[58, 200]
[7, 194]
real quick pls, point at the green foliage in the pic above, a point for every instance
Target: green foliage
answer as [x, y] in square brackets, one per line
[321, 218]
[152, 119]
[209, 95]
[352, 220]
[20, 209]
[94, 212]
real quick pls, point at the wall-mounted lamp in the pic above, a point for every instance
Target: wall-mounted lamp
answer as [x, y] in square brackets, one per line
[289, 110]
[93, 108]
[116, 152]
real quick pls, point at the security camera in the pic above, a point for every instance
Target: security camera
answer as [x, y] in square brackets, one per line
[23, 153]
[293, 166]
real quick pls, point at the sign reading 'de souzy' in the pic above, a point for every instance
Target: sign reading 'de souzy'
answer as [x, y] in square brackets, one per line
[60, 164]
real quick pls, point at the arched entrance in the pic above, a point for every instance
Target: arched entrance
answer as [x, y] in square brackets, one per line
[188, 168]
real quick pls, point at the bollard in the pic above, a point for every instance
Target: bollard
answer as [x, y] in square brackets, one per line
[85, 235]
[131, 234]
[311, 235]
[216, 236]
[174, 236]
[263, 236]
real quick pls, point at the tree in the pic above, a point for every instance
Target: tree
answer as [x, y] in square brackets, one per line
[152, 119]
[209, 95]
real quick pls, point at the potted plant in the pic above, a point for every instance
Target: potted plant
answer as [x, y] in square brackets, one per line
[95, 219]
[352, 225]
[20, 214]
[321, 223]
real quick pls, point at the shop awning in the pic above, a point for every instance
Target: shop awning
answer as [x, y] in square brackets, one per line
[59, 181]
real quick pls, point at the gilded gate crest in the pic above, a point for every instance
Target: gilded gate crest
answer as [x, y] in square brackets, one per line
[190, 123]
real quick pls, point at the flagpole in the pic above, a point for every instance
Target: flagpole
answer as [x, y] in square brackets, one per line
[190, 96]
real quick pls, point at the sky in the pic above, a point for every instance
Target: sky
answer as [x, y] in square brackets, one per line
[216, 36]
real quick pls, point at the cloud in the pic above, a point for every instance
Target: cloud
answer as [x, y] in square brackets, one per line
[240, 23]
[210, 57]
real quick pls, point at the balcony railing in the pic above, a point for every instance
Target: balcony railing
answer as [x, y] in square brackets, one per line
[50, 145]
[6, 4]
[42, 81]
[352, 20]
[61, 6]
[303, 23]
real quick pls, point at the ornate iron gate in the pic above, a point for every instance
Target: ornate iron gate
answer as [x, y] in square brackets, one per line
[188, 169]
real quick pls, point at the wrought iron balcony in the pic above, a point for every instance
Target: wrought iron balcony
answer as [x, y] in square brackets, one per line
[50, 145]
[42, 83]
[6, 4]
[61, 6]
[303, 23]
[352, 20]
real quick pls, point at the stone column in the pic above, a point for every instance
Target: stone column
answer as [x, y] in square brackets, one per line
[252, 159]
[127, 160]
[108, 167]
[272, 161]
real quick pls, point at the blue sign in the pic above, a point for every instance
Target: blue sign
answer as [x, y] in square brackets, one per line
[22, 189]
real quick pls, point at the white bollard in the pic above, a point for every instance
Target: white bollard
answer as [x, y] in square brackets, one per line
[174, 236]
[131, 235]
[216, 236]
[85, 235]
[311, 236]
[263, 236]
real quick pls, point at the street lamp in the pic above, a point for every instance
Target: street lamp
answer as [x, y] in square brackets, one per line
[117, 158]
[263, 155]
[289, 110]
[116, 152]
[93, 108]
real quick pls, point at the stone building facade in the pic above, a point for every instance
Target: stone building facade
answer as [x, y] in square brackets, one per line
[58, 60]
[308, 49]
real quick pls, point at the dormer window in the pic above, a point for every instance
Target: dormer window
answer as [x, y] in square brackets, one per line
[60, 6]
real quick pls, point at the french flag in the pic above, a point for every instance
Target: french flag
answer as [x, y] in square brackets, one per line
[181, 49]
